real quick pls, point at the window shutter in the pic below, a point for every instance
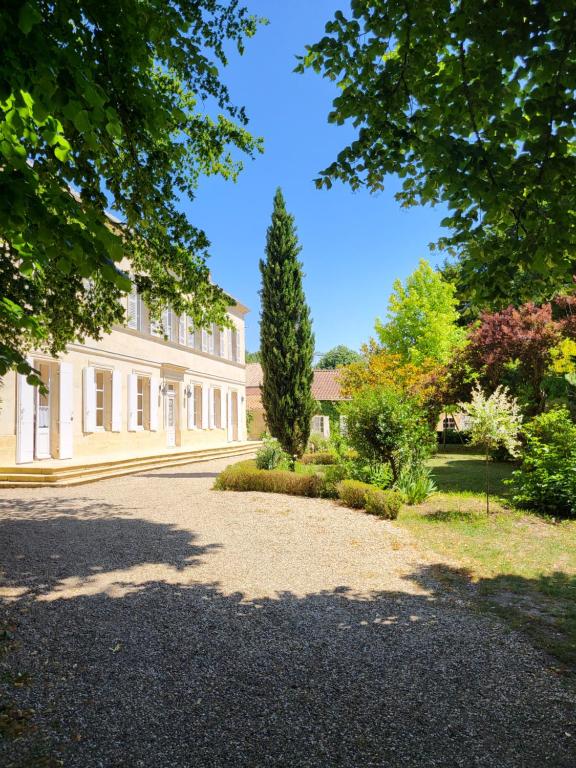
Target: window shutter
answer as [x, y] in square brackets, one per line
[133, 308]
[223, 419]
[190, 406]
[25, 422]
[89, 399]
[204, 340]
[116, 401]
[154, 387]
[211, 407]
[132, 402]
[211, 341]
[237, 352]
[65, 411]
[198, 339]
[205, 407]
[182, 329]
[144, 316]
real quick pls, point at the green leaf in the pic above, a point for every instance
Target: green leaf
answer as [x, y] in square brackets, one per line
[29, 16]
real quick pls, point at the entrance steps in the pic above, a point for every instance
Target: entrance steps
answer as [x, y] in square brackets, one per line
[39, 476]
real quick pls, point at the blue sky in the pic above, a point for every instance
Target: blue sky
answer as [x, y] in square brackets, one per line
[354, 245]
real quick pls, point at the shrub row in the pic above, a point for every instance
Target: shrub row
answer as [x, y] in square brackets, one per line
[245, 476]
[360, 495]
[319, 457]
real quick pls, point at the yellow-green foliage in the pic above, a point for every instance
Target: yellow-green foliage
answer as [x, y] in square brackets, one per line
[321, 457]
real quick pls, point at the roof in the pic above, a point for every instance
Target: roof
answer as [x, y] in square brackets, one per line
[325, 385]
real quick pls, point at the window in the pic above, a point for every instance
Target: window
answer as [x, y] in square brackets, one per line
[167, 323]
[198, 406]
[217, 404]
[217, 336]
[142, 402]
[449, 423]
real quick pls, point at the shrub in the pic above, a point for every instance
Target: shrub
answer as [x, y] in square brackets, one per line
[333, 474]
[245, 476]
[416, 485]
[383, 503]
[270, 454]
[546, 480]
[317, 443]
[379, 475]
[353, 493]
[322, 457]
[388, 427]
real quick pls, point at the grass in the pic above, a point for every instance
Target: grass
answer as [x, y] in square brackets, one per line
[523, 566]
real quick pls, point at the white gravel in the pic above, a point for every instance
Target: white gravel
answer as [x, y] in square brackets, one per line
[166, 625]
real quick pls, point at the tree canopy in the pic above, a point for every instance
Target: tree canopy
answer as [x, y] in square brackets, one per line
[422, 318]
[471, 104]
[286, 338]
[338, 356]
[109, 105]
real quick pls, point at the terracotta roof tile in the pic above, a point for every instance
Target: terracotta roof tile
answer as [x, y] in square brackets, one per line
[324, 387]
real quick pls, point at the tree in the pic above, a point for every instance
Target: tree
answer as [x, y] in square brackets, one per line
[385, 426]
[286, 338]
[472, 105]
[109, 105]
[425, 383]
[422, 318]
[515, 345]
[494, 422]
[253, 357]
[337, 357]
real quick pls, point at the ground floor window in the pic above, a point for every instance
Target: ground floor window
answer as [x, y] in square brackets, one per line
[142, 402]
[198, 422]
[217, 408]
[101, 396]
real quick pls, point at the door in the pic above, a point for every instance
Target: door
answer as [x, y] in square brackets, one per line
[234, 409]
[170, 416]
[42, 415]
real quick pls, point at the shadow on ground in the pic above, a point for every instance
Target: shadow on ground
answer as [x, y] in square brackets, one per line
[181, 674]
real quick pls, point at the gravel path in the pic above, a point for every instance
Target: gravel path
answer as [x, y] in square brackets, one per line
[166, 625]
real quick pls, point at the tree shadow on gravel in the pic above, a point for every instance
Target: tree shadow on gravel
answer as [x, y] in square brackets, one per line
[182, 675]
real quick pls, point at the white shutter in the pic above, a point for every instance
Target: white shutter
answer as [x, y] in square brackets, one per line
[24, 420]
[198, 339]
[182, 329]
[154, 386]
[133, 308]
[190, 406]
[224, 342]
[229, 420]
[116, 401]
[223, 419]
[205, 407]
[132, 402]
[66, 411]
[204, 340]
[211, 340]
[89, 398]
[211, 408]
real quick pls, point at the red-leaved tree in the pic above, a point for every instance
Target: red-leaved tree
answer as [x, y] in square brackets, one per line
[522, 336]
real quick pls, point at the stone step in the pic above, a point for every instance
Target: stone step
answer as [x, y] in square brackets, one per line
[37, 477]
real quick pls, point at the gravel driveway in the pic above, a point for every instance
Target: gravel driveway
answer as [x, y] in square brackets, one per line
[166, 625]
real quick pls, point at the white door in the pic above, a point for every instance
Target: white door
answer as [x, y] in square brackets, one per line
[170, 416]
[42, 415]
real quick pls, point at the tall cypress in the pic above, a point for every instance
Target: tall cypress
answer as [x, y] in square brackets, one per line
[286, 338]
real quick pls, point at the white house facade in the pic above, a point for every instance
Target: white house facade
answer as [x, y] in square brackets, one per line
[142, 389]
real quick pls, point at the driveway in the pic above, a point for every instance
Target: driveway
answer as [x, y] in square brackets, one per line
[153, 622]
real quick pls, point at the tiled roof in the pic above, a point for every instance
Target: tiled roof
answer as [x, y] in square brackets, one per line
[254, 375]
[324, 387]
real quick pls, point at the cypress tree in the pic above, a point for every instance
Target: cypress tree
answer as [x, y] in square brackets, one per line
[286, 338]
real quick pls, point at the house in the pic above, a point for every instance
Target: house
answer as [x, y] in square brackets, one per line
[325, 390]
[143, 390]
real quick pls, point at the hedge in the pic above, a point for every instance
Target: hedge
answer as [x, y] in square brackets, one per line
[360, 495]
[320, 457]
[383, 503]
[353, 493]
[246, 477]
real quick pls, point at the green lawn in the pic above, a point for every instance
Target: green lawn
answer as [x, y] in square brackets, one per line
[523, 566]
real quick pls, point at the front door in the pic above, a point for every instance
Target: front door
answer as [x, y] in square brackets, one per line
[42, 416]
[170, 415]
